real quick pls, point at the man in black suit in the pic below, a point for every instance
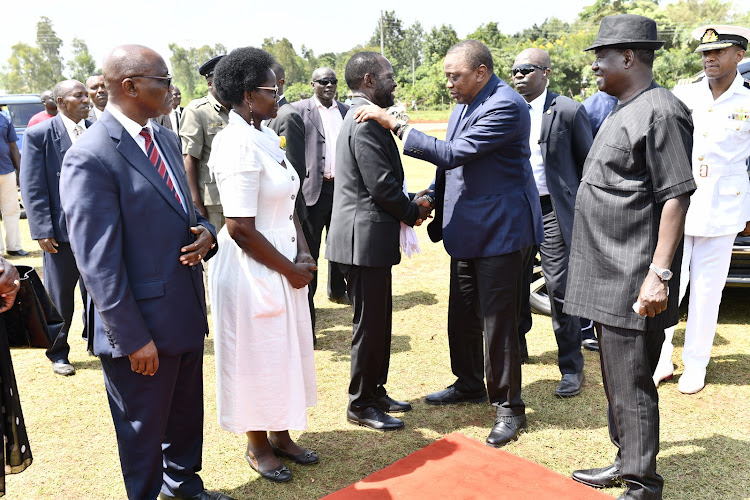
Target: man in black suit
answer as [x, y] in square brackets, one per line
[560, 138]
[322, 115]
[44, 148]
[176, 114]
[371, 207]
[288, 124]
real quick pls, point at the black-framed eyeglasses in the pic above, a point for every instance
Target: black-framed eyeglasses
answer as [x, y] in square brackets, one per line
[166, 79]
[274, 89]
[325, 81]
[525, 69]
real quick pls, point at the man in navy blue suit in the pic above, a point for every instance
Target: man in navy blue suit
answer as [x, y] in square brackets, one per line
[44, 147]
[139, 242]
[488, 215]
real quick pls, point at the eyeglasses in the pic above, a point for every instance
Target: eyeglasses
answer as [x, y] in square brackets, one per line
[525, 69]
[166, 79]
[325, 81]
[274, 89]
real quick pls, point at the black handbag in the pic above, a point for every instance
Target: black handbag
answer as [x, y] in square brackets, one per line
[33, 321]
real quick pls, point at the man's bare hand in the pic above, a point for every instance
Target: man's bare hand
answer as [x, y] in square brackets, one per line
[373, 112]
[201, 208]
[145, 360]
[48, 245]
[305, 258]
[652, 297]
[746, 232]
[193, 253]
[424, 210]
[301, 274]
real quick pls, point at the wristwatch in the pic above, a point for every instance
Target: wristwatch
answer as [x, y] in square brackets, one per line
[663, 274]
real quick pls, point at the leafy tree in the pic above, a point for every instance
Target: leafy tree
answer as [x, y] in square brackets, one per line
[489, 34]
[437, 42]
[48, 45]
[83, 65]
[185, 63]
[283, 51]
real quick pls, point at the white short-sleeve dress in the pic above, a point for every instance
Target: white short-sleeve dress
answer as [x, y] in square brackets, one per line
[265, 371]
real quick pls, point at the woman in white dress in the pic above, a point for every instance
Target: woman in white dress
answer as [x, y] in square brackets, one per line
[258, 280]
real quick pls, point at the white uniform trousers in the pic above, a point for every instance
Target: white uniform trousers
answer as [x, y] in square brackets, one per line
[11, 211]
[705, 265]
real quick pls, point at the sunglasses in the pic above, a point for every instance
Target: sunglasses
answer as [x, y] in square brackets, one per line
[326, 81]
[274, 89]
[525, 69]
[166, 79]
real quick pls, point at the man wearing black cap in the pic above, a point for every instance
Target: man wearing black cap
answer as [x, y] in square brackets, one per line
[201, 120]
[630, 212]
[720, 207]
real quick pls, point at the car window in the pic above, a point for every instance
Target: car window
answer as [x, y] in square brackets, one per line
[21, 113]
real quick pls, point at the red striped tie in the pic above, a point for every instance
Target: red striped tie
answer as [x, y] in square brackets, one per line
[161, 167]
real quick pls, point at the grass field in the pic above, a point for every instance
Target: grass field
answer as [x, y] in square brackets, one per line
[705, 438]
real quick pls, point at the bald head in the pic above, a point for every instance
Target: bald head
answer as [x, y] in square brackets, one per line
[324, 84]
[530, 73]
[138, 82]
[48, 99]
[534, 56]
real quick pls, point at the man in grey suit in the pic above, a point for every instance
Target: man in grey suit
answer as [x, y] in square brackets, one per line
[288, 124]
[559, 140]
[97, 95]
[44, 148]
[370, 206]
[323, 116]
[627, 233]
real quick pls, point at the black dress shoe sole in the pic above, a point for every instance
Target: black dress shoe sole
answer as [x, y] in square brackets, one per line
[456, 401]
[365, 424]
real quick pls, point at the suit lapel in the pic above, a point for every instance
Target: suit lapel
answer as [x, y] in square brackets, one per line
[134, 155]
[548, 118]
[61, 137]
[315, 118]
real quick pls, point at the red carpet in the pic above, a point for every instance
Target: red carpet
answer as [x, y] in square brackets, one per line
[457, 467]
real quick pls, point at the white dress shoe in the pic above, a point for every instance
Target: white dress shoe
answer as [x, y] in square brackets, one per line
[692, 381]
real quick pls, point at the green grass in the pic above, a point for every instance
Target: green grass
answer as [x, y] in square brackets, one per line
[705, 438]
[431, 115]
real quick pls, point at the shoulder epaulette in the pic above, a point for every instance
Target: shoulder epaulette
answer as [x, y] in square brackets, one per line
[746, 84]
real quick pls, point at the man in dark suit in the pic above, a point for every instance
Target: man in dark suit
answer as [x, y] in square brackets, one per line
[560, 138]
[370, 206]
[323, 116]
[139, 243]
[488, 216]
[289, 124]
[97, 96]
[43, 150]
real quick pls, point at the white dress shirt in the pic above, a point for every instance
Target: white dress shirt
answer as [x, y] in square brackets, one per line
[332, 120]
[75, 130]
[536, 111]
[174, 118]
[134, 130]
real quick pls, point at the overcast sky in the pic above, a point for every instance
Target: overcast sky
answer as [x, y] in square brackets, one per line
[192, 23]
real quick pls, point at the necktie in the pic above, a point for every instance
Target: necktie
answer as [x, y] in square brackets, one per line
[158, 163]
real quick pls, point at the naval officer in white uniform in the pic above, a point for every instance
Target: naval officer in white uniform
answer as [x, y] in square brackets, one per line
[720, 207]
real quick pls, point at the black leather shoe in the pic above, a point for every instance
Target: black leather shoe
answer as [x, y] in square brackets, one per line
[374, 418]
[63, 367]
[388, 404]
[307, 457]
[505, 430]
[570, 385]
[203, 495]
[280, 474]
[452, 396]
[18, 253]
[590, 344]
[342, 299]
[602, 477]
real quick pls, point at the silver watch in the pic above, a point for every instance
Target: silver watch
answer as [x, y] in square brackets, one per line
[663, 274]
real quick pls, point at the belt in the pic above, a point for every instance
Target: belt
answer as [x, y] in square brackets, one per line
[713, 170]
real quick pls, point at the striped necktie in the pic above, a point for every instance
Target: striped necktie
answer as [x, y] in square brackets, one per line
[158, 163]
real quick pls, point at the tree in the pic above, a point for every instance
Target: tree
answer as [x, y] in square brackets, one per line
[283, 51]
[185, 63]
[393, 40]
[82, 66]
[489, 34]
[437, 42]
[48, 44]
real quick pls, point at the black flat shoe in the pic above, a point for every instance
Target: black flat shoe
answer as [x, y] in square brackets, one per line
[280, 474]
[307, 457]
[601, 477]
[388, 404]
[374, 418]
[505, 430]
[18, 253]
[452, 396]
[570, 385]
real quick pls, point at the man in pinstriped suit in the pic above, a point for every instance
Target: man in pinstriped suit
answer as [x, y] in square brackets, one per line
[627, 234]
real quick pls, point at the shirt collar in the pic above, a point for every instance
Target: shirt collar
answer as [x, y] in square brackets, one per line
[538, 104]
[737, 84]
[131, 127]
[319, 104]
[70, 125]
[216, 104]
